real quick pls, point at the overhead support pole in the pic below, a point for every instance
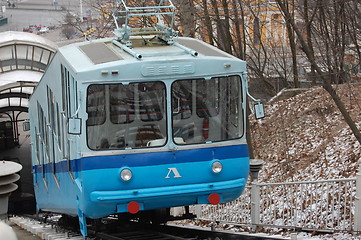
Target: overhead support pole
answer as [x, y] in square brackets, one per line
[187, 50]
[127, 49]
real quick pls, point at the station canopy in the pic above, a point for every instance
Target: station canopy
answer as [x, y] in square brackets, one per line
[23, 60]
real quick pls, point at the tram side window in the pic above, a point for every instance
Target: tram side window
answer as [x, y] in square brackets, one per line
[51, 109]
[51, 129]
[96, 105]
[64, 88]
[121, 103]
[40, 122]
[37, 145]
[58, 119]
[42, 131]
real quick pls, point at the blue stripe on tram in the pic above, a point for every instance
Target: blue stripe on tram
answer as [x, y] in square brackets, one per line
[148, 159]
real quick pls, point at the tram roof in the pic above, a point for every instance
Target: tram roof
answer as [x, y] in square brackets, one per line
[85, 55]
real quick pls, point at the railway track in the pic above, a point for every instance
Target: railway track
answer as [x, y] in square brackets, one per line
[167, 232]
[133, 231]
[139, 235]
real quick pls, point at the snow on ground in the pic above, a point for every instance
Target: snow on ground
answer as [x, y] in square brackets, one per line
[335, 236]
[306, 137]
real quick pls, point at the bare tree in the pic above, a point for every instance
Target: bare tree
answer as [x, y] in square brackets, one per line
[207, 23]
[308, 26]
[331, 41]
[292, 41]
[186, 18]
[102, 21]
[68, 27]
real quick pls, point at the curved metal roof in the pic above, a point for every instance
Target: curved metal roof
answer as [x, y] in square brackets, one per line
[23, 59]
[16, 88]
[11, 37]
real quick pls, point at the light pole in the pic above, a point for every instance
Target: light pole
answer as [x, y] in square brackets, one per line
[81, 10]
[255, 167]
[357, 218]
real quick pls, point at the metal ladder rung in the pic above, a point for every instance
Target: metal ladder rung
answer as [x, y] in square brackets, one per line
[146, 33]
[145, 14]
[150, 8]
[149, 13]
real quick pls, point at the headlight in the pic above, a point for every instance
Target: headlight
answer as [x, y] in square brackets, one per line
[217, 167]
[126, 174]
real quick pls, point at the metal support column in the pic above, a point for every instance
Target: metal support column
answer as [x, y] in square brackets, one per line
[255, 205]
[255, 167]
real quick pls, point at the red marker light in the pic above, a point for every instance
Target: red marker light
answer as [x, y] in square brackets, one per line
[214, 199]
[133, 207]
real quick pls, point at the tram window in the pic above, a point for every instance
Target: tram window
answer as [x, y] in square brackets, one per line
[41, 122]
[47, 141]
[231, 124]
[136, 117]
[149, 135]
[219, 114]
[43, 134]
[207, 98]
[68, 90]
[96, 105]
[51, 110]
[58, 119]
[64, 88]
[152, 102]
[121, 103]
[51, 128]
[37, 145]
[182, 99]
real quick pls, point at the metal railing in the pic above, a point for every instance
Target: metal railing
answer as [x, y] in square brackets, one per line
[327, 205]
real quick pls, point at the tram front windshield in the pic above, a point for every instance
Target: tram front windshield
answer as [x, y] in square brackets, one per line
[128, 116]
[122, 116]
[207, 110]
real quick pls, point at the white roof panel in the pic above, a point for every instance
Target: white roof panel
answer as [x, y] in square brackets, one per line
[23, 37]
[20, 75]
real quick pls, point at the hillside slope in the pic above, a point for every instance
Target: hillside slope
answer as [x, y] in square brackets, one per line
[306, 138]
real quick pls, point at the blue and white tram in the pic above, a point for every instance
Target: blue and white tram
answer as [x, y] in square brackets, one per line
[161, 125]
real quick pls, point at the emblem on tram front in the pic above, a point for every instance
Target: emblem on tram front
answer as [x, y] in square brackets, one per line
[173, 172]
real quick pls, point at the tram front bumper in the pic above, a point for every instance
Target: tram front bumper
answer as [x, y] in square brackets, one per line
[200, 192]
